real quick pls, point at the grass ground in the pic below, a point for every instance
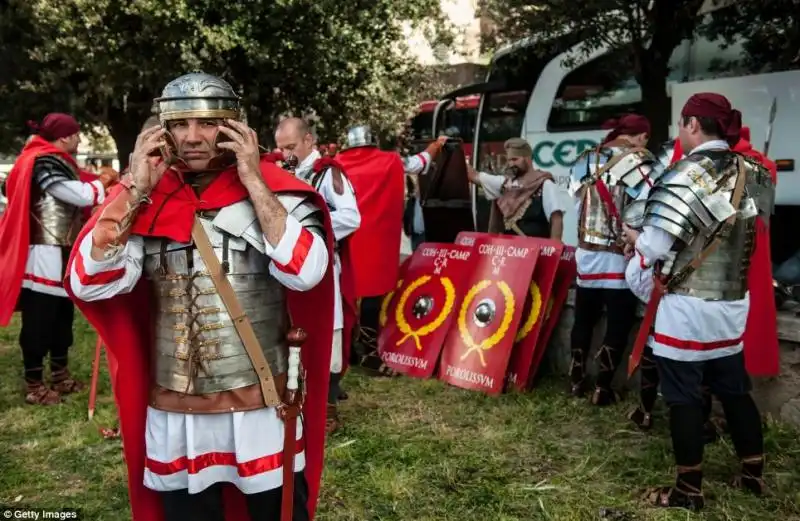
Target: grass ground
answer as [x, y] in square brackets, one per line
[411, 450]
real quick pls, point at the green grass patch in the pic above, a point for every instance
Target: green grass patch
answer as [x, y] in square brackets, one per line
[410, 450]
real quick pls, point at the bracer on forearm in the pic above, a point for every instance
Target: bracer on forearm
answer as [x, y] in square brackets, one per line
[111, 232]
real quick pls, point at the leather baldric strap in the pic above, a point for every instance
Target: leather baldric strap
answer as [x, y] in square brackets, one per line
[240, 319]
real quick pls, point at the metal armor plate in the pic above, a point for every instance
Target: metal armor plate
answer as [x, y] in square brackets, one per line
[692, 202]
[53, 221]
[632, 172]
[197, 349]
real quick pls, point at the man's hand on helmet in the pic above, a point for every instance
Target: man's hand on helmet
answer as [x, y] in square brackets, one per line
[146, 166]
[244, 143]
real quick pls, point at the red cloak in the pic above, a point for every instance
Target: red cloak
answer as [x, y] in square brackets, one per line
[347, 280]
[761, 352]
[15, 222]
[377, 178]
[127, 334]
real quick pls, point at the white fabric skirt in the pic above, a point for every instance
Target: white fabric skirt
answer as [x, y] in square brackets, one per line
[336, 352]
[194, 451]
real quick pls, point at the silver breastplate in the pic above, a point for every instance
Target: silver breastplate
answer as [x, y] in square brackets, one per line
[197, 348]
[595, 223]
[54, 222]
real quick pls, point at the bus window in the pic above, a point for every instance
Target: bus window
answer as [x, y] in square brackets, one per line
[603, 89]
[421, 126]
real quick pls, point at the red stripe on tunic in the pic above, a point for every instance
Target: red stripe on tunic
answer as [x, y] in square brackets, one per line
[601, 276]
[299, 253]
[96, 194]
[43, 281]
[641, 261]
[694, 345]
[213, 459]
[98, 279]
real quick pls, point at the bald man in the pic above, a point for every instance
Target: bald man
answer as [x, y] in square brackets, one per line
[296, 141]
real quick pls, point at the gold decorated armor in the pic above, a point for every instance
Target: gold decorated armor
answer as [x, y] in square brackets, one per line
[624, 171]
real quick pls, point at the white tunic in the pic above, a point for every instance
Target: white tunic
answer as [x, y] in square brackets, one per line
[686, 328]
[345, 219]
[194, 451]
[43, 269]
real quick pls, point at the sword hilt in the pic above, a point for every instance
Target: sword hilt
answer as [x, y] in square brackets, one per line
[296, 337]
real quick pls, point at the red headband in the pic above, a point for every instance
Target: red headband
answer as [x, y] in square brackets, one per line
[629, 124]
[55, 126]
[718, 108]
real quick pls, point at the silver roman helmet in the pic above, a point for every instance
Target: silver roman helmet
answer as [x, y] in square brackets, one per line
[198, 95]
[360, 136]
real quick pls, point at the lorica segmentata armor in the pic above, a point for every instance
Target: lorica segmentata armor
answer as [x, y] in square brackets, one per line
[197, 348]
[53, 222]
[630, 171]
[691, 202]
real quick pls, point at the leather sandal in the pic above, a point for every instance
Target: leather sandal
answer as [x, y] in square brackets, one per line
[332, 422]
[63, 383]
[40, 394]
[672, 497]
[643, 420]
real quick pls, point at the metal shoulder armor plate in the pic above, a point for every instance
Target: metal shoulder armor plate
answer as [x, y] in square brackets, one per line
[633, 169]
[307, 213]
[692, 198]
[760, 191]
[50, 169]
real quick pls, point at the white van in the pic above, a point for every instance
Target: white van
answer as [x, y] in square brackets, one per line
[567, 101]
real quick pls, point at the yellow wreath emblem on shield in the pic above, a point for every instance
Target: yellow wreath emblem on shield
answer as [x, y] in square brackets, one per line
[505, 323]
[384, 313]
[427, 329]
[533, 316]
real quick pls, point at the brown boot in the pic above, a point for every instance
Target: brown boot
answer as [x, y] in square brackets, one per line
[332, 423]
[63, 383]
[37, 393]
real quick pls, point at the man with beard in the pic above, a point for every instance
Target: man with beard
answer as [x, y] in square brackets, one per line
[691, 266]
[525, 199]
[604, 182]
[46, 198]
[294, 139]
[197, 273]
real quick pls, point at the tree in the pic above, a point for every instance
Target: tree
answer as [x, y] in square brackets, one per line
[769, 32]
[110, 59]
[645, 32]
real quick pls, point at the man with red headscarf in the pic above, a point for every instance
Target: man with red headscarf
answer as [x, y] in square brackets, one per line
[690, 265]
[203, 273]
[45, 200]
[605, 182]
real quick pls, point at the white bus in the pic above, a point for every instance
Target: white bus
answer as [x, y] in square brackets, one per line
[564, 105]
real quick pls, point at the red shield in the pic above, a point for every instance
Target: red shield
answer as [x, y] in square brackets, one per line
[565, 276]
[528, 348]
[389, 298]
[420, 313]
[478, 345]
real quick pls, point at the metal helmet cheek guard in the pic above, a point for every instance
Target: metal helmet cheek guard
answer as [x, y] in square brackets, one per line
[198, 95]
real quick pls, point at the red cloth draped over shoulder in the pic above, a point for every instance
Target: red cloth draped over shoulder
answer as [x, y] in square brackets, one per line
[377, 178]
[761, 351]
[128, 334]
[347, 280]
[15, 221]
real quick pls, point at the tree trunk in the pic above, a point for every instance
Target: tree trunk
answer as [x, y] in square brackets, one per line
[657, 107]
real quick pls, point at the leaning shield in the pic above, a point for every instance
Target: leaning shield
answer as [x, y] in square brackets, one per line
[446, 199]
[528, 347]
[565, 277]
[478, 345]
[390, 297]
[422, 308]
